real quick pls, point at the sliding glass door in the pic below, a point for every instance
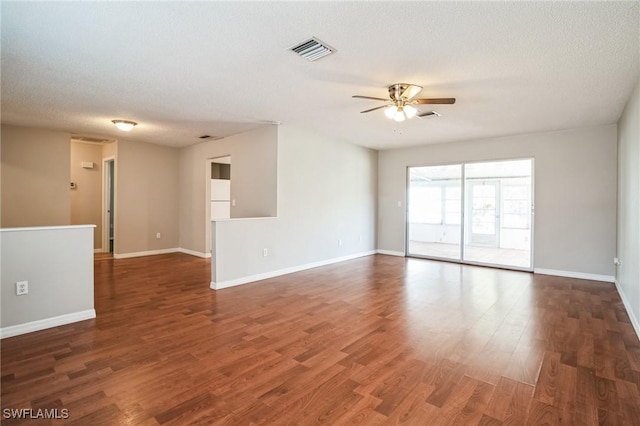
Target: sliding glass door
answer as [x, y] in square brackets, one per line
[474, 213]
[435, 211]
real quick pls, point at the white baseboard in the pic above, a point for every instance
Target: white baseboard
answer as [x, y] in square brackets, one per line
[272, 274]
[391, 253]
[194, 253]
[634, 321]
[98, 250]
[161, 251]
[145, 253]
[29, 327]
[580, 275]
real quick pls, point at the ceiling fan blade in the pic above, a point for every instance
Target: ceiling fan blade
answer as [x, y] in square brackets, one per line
[428, 113]
[373, 109]
[434, 101]
[369, 97]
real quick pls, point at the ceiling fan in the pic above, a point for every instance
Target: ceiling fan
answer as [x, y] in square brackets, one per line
[399, 106]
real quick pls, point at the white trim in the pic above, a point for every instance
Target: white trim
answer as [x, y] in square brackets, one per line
[634, 321]
[391, 253]
[272, 274]
[98, 250]
[571, 274]
[46, 228]
[237, 219]
[29, 327]
[194, 253]
[161, 251]
[145, 253]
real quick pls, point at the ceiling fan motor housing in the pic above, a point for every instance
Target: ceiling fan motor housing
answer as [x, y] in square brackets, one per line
[403, 91]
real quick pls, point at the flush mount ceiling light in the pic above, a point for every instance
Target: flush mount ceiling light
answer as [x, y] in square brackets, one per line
[124, 125]
[399, 106]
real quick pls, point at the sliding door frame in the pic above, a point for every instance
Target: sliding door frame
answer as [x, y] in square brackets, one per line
[463, 218]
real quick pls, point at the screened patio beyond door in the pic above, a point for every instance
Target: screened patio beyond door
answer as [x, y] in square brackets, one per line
[475, 213]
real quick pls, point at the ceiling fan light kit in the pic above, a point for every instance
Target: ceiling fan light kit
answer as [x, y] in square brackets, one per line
[399, 106]
[390, 111]
[400, 113]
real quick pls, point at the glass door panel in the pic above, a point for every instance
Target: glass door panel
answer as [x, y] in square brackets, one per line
[498, 213]
[483, 223]
[434, 223]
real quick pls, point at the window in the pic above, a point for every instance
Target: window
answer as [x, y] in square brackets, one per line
[453, 205]
[426, 204]
[516, 209]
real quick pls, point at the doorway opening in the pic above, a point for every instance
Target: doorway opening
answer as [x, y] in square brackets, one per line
[218, 194]
[220, 188]
[479, 213]
[108, 205]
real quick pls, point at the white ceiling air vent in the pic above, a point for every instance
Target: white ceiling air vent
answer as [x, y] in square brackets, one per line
[312, 49]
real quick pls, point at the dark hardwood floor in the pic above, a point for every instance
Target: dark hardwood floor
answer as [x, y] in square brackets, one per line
[375, 340]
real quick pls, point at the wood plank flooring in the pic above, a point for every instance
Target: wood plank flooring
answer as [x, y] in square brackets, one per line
[375, 340]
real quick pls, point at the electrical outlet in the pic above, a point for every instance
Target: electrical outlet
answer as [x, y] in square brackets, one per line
[157, 235]
[22, 288]
[265, 252]
[339, 242]
[233, 203]
[616, 261]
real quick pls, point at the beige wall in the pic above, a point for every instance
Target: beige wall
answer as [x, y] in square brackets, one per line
[628, 249]
[253, 182]
[575, 192]
[35, 177]
[58, 264]
[327, 192]
[36, 172]
[110, 150]
[86, 198]
[146, 197]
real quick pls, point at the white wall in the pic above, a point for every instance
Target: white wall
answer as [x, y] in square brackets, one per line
[58, 264]
[628, 249]
[253, 182]
[575, 193]
[326, 192]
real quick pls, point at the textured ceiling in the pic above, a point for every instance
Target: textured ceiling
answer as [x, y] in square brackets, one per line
[183, 69]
